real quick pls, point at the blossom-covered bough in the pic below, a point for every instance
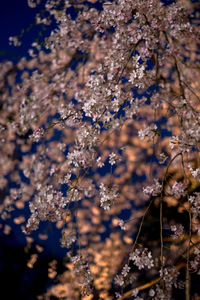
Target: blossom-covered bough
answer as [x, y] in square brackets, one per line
[106, 119]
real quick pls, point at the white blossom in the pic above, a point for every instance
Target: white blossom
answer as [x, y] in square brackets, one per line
[100, 164]
[121, 224]
[177, 230]
[195, 173]
[149, 131]
[151, 293]
[142, 258]
[37, 134]
[125, 270]
[107, 196]
[154, 189]
[119, 280]
[112, 158]
[177, 190]
[135, 293]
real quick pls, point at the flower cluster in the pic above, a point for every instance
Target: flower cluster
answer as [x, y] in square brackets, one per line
[83, 274]
[108, 195]
[112, 159]
[177, 230]
[68, 238]
[125, 270]
[195, 263]
[195, 173]
[142, 258]
[169, 276]
[121, 224]
[195, 201]
[135, 294]
[138, 71]
[37, 134]
[149, 132]
[154, 189]
[100, 164]
[110, 74]
[177, 190]
[119, 280]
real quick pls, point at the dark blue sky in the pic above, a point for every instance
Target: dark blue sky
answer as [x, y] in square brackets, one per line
[14, 17]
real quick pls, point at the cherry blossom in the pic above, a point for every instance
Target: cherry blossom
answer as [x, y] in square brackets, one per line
[102, 119]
